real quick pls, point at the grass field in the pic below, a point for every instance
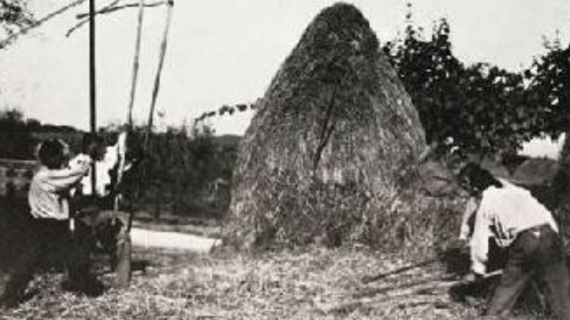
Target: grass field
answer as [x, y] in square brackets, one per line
[310, 284]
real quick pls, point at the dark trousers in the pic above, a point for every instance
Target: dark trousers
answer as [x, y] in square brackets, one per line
[49, 241]
[536, 253]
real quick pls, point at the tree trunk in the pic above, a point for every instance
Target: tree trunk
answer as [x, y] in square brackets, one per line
[157, 203]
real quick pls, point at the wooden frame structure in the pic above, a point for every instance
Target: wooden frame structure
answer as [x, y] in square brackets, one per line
[124, 250]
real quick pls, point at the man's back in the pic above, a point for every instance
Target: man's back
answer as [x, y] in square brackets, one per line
[512, 209]
[49, 191]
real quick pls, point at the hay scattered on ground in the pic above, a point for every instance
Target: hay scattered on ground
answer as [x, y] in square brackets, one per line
[309, 284]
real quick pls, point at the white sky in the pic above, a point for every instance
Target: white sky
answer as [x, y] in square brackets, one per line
[227, 51]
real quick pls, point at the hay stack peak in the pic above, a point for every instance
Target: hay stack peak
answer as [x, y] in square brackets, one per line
[332, 144]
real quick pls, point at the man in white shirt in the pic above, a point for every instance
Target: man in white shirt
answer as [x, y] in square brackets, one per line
[517, 221]
[48, 199]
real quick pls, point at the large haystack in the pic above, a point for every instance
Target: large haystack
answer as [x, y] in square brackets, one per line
[333, 146]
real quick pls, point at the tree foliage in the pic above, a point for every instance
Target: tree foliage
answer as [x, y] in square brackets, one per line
[478, 109]
[182, 170]
[16, 140]
[549, 87]
[14, 15]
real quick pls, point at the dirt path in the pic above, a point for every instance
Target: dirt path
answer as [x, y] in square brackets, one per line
[172, 240]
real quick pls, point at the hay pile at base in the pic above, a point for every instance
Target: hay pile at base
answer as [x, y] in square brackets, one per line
[331, 155]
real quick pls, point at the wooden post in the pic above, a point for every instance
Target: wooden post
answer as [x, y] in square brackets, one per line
[92, 86]
[163, 46]
[135, 65]
[124, 249]
[124, 245]
[124, 256]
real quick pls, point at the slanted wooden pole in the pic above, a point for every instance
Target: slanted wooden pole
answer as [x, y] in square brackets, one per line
[124, 243]
[136, 59]
[124, 249]
[170, 5]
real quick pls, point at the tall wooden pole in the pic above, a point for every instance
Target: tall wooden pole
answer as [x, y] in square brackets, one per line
[163, 45]
[92, 69]
[135, 65]
[92, 86]
[124, 244]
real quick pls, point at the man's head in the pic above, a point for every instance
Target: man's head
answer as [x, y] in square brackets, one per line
[52, 153]
[94, 146]
[475, 179]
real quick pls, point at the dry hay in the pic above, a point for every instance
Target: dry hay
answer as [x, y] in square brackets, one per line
[331, 155]
[314, 283]
[285, 285]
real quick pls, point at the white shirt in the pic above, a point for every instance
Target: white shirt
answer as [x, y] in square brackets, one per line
[470, 209]
[503, 213]
[49, 191]
[113, 155]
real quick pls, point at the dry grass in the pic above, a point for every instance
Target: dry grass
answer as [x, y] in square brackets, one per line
[310, 284]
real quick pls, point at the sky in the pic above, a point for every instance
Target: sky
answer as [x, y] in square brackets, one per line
[227, 51]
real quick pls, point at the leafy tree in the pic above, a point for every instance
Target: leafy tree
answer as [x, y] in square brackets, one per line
[14, 15]
[479, 109]
[16, 140]
[549, 79]
[430, 73]
[495, 113]
[549, 87]
[180, 168]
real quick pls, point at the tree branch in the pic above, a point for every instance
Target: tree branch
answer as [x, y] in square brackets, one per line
[14, 13]
[77, 26]
[23, 31]
[108, 9]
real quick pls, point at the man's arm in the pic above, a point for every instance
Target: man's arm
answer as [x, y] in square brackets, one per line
[80, 160]
[552, 222]
[470, 210]
[64, 179]
[480, 240]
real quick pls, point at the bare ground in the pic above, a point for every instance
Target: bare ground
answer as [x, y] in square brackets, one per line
[172, 240]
